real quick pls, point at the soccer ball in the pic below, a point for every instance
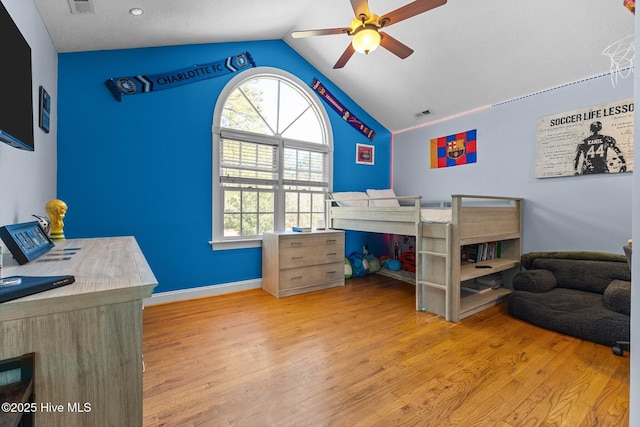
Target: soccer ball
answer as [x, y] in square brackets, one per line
[614, 164]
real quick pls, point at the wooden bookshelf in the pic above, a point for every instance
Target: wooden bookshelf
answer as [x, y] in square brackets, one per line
[471, 271]
[508, 265]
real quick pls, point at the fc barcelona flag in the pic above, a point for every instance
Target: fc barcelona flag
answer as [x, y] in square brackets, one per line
[453, 150]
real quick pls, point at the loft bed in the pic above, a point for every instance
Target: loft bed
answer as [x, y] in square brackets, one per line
[440, 236]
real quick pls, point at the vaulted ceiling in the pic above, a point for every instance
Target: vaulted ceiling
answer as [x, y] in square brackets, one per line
[468, 53]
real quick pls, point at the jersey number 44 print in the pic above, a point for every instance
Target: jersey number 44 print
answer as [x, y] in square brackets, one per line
[588, 141]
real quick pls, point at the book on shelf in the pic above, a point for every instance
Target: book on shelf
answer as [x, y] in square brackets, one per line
[481, 251]
[494, 280]
[469, 253]
[475, 287]
[301, 229]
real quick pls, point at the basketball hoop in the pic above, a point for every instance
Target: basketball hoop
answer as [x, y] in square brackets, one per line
[621, 54]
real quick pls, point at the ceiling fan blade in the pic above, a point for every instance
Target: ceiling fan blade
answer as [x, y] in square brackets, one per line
[361, 7]
[399, 49]
[345, 57]
[313, 33]
[408, 10]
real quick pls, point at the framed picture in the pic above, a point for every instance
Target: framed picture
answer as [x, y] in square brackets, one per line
[26, 241]
[596, 139]
[45, 109]
[365, 154]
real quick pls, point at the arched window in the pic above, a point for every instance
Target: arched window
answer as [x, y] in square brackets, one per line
[272, 156]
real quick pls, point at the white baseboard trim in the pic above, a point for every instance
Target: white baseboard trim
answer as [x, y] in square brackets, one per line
[203, 291]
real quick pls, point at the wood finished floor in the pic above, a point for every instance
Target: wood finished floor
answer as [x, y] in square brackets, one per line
[362, 356]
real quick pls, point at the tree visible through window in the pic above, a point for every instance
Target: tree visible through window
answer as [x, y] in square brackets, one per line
[273, 158]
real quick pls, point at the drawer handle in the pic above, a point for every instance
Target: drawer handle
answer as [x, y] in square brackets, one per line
[331, 241]
[331, 272]
[331, 254]
[295, 258]
[296, 278]
[295, 244]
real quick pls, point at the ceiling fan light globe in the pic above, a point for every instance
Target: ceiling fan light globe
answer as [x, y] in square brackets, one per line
[366, 40]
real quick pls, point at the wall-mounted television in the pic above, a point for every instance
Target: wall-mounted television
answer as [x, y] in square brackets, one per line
[16, 95]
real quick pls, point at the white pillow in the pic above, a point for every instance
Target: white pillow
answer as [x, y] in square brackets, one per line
[351, 198]
[374, 194]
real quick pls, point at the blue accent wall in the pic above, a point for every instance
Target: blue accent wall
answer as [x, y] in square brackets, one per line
[142, 166]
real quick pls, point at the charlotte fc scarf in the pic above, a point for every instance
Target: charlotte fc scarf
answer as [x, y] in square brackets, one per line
[147, 83]
[340, 109]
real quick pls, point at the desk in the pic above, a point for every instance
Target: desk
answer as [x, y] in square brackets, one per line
[87, 336]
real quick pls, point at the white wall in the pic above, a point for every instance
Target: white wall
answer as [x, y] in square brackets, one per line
[634, 408]
[567, 213]
[28, 179]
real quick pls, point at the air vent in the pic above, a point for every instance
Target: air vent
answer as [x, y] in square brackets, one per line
[81, 6]
[423, 113]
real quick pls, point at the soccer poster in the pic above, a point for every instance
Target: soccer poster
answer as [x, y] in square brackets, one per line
[587, 141]
[453, 150]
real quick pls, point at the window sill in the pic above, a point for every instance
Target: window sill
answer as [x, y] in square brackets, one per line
[223, 245]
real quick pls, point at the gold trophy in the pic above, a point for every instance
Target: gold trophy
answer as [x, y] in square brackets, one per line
[56, 209]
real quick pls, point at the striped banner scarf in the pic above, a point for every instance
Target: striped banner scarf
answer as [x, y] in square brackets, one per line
[151, 82]
[340, 109]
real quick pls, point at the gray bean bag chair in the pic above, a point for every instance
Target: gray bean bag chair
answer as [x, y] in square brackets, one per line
[583, 294]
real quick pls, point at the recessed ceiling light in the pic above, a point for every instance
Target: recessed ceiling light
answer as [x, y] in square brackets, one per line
[136, 11]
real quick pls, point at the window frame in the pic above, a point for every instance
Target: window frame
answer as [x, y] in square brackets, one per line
[218, 242]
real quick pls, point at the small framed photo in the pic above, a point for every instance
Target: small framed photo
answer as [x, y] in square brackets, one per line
[45, 110]
[365, 154]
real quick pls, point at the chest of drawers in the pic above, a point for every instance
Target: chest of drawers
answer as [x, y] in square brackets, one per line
[293, 263]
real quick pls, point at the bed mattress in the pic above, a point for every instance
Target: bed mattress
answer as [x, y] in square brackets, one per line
[442, 216]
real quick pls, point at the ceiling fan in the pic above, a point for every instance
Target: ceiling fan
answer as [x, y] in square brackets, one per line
[366, 26]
